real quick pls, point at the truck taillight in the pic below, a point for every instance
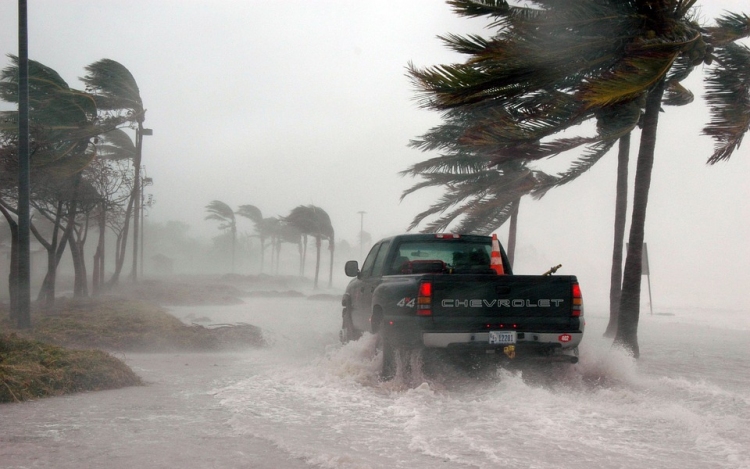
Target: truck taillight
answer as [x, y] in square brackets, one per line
[424, 299]
[447, 236]
[577, 301]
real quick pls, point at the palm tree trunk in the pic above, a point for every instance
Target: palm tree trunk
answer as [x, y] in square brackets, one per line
[262, 252]
[512, 231]
[331, 247]
[304, 256]
[621, 206]
[627, 321]
[234, 242]
[318, 243]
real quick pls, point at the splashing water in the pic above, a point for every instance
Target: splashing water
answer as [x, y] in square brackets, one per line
[684, 404]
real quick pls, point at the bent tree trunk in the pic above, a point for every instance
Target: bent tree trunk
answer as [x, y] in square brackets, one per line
[98, 273]
[627, 321]
[80, 289]
[121, 246]
[13, 275]
[331, 247]
[621, 207]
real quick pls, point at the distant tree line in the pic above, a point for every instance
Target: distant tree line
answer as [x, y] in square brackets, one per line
[302, 222]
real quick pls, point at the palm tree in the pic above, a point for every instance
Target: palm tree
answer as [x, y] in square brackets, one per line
[254, 214]
[491, 193]
[602, 54]
[314, 221]
[218, 210]
[115, 89]
[286, 233]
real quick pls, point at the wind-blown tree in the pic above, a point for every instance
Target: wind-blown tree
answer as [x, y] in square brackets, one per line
[478, 197]
[600, 55]
[314, 221]
[262, 228]
[286, 233]
[110, 179]
[472, 138]
[221, 212]
[63, 121]
[113, 150]
[115, 90]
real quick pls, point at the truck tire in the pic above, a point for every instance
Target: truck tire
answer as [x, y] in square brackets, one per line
[348, 332]
[388, 369]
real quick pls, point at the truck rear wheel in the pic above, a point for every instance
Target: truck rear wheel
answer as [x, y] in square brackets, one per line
[388, 369]
[348, 332]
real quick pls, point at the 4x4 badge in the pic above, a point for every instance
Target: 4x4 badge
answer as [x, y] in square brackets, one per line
[408, 302]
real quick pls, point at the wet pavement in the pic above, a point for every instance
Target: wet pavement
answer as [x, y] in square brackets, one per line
[172, 421]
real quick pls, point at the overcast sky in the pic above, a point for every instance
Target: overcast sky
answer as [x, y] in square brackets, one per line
[278, 104]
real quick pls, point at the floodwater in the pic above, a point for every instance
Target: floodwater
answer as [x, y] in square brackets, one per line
[307, 401]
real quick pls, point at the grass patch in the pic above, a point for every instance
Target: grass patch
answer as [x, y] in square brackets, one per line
[31, 369]
[124, 325]
[54, 357]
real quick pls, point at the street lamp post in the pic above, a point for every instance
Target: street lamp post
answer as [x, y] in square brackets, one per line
[139, 134]
[147, 181]
[361, 232]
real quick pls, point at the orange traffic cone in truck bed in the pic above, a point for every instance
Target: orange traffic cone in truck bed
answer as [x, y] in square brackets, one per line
[496, 260]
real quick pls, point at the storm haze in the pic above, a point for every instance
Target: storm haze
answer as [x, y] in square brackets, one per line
[280, 104]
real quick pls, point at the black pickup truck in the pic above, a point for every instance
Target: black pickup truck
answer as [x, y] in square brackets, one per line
[441, 291]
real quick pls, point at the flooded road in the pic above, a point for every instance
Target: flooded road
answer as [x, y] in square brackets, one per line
[307, 401]
[171, 422]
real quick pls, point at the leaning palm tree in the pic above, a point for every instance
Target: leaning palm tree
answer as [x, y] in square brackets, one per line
[601, 54]
[253, 213]
[221, 212]
[116, 90]
[472, 140]
[286, 233]
[314, 221]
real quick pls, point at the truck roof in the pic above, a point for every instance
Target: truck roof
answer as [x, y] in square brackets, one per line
[442, 236]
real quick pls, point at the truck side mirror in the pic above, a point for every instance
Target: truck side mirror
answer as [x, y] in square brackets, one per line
[351, 268]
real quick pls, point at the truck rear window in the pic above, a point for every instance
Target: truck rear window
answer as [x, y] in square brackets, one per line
[429, 256]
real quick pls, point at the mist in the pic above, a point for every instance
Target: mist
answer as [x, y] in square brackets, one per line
[308, 103]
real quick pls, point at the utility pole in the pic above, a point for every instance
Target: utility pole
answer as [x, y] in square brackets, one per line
[147, 181]
[139, 133]
[361, 232]
[23, 299]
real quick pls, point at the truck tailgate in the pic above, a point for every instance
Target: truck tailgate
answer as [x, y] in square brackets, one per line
[515, 301]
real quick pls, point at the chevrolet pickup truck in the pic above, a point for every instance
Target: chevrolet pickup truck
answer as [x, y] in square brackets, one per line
[441, 291]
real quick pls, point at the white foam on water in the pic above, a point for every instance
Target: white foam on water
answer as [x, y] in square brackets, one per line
[683, 404]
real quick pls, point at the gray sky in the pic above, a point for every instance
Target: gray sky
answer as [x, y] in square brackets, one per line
[278, 104]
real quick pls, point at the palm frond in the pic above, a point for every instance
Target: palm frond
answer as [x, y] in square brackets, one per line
[219, 210]
[114, 86]
[116, 145]
[728, 98]
[730, 27]
[250, 211]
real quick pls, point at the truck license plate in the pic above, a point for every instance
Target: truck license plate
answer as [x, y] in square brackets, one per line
[502, 337]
